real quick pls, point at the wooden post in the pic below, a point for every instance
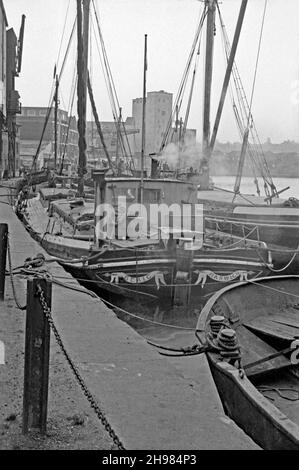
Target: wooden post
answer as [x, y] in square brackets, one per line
[37, 348]
[3, 251]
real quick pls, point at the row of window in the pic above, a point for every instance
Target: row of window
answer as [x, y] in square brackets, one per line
[41, 112]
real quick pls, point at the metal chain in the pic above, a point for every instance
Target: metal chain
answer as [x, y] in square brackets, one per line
[11, 278]
[76, 372]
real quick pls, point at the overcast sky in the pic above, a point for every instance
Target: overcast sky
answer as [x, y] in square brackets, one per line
[170, 25]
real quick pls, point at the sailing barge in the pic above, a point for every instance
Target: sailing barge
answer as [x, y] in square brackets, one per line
[174, 269]
[250, 330]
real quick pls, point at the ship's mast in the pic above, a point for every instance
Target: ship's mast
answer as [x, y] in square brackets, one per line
[82, 71]
[143, 122]
[228, 72]
[56, 122]
[208, 145]
[211, 8]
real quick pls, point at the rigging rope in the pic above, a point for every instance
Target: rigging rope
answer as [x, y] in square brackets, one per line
[49, 110]
[272, 288]
[280, 270]
[182, 86]
[70, 111]
[63, 31]
[191, 90]
[243, 112]
[114, 102]
[98, 124]
[278, 390]
[92, 294]
[244, 115]
[67, 49]
[257, 60]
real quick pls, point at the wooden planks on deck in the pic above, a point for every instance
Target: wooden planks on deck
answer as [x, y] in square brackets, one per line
[284, 325]
[289, 318]
[253, 348]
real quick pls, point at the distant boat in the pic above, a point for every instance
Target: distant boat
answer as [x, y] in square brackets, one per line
[250, 330]
[277, 223]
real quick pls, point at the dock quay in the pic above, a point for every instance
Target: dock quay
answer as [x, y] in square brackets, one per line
[150, 401]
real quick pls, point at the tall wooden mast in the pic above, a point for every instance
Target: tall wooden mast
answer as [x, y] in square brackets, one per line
[228, 72]
[211, 8]
[56, 121]
[143, 122]
[82, 71]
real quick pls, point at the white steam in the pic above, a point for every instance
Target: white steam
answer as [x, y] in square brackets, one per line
[188, 155]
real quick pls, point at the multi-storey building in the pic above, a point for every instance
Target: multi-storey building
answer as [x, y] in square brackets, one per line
[3, 133]
[158, 113]
[116, 150]
[13, 106]
[10, 66]
[157, 116]
[32, 121]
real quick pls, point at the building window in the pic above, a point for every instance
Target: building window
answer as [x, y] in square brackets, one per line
[42, 113]
[31, 112]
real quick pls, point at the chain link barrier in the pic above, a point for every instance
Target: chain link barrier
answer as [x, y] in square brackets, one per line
[93, 403]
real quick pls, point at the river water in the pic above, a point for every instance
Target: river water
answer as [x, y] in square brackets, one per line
[248, 186]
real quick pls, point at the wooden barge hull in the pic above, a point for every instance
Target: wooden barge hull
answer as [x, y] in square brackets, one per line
[157, 277]
[276, 224]
[283, 233]
[152, 275]
[266, 321]
[243, 403]
[148, 271]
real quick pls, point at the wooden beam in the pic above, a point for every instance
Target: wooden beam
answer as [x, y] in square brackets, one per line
[37, 351]
[3, 252]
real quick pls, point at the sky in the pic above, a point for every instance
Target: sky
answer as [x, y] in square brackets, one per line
[170, 26]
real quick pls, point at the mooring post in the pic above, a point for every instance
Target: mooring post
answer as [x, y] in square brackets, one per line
[37, 349]
[3, 251]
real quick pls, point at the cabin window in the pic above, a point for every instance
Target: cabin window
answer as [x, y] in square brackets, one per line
[129, 193]
[151, 196]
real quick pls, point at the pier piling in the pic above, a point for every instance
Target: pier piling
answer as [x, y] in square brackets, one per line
[3, 252]
[37, 348]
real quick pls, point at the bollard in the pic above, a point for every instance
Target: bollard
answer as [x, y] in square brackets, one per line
[37, 349]
[3, 251]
